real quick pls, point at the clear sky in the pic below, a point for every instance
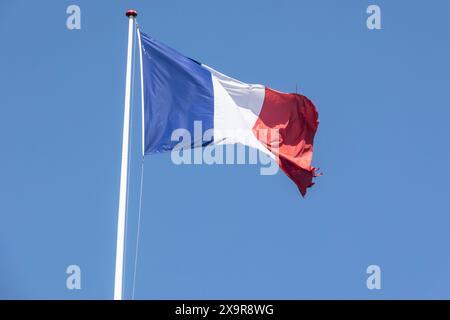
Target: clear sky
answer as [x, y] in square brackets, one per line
[225, 231]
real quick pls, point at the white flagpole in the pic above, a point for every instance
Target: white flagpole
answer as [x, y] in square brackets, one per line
[120, 247]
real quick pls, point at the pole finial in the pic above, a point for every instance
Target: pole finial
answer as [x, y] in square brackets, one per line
[131, 13]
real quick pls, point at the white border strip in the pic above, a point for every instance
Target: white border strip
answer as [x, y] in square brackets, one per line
[142, 92]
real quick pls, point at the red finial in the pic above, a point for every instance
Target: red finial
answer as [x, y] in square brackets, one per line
[131, 13]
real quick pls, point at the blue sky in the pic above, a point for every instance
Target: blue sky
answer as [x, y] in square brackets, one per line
[226, 231]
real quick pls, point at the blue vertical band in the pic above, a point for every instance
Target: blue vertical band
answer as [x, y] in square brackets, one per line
[177, 92]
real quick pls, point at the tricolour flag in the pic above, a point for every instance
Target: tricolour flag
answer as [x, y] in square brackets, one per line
[179, 91]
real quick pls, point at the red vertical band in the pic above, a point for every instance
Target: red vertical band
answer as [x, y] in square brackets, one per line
[295, 118]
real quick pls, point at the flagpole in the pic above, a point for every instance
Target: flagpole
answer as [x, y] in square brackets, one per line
[120, 245]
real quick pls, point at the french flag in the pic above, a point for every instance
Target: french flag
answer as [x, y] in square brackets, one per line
[179, 91]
